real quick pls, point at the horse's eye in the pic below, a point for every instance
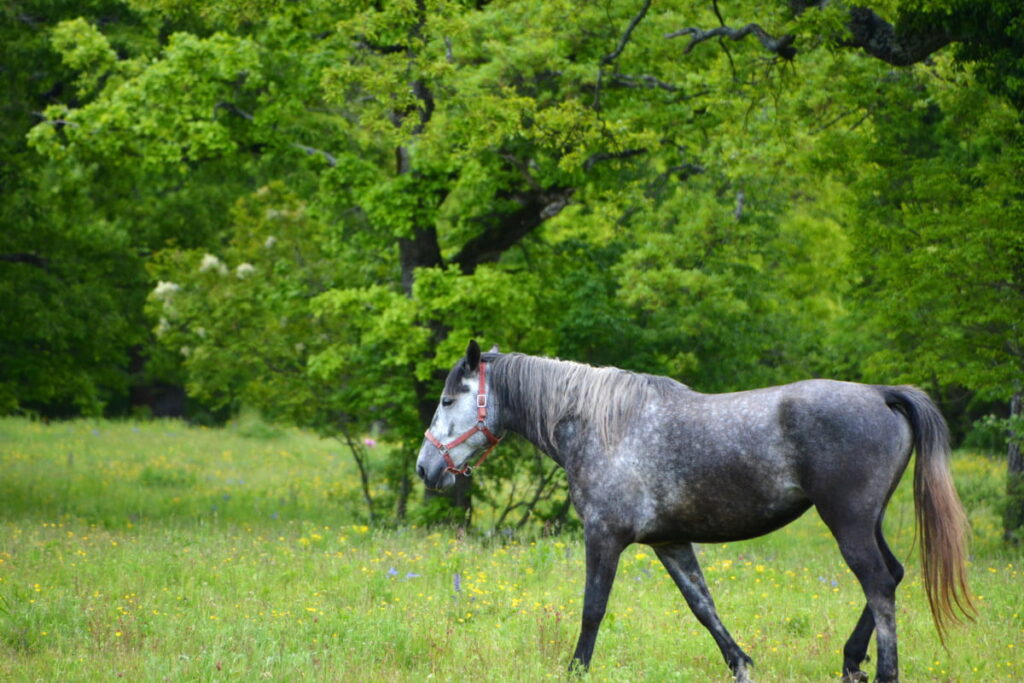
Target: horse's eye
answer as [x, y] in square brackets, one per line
[447, 401]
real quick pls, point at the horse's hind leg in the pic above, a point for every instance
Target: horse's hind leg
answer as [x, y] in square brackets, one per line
[857, 646]
[681, 563]
[867, 555]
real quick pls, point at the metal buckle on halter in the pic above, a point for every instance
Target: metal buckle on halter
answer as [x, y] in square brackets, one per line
[481, 400]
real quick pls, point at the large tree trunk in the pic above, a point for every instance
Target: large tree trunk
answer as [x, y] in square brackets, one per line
[422, 250]
[1013, 516]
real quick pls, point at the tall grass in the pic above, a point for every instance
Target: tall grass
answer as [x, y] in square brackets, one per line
[157, 551]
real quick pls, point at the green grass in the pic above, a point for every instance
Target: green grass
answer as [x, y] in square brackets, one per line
[157, 551]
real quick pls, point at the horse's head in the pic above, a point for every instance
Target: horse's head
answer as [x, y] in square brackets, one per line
[464, 423]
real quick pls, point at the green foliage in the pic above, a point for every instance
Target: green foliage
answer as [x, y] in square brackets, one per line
[84, 49]
[70, 281]
[989, 434]
[938, 235]
[158, 113]
[307, 208]
[241, 320]
[715, 291]
[991, 39]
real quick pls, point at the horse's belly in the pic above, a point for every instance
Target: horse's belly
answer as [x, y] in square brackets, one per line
[722, 519]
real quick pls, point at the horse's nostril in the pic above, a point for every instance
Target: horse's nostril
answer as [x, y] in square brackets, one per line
[422, 472]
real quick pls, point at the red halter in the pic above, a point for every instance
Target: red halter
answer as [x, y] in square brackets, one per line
[481, 415]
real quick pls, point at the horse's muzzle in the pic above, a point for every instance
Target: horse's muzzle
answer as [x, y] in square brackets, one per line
[435, 478]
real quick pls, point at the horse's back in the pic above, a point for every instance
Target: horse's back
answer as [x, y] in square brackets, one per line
[810, 419]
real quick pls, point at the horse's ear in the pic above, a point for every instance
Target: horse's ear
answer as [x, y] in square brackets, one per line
[494, 349]
[473, 355]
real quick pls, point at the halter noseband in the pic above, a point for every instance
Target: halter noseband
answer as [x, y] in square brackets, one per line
[481, 415]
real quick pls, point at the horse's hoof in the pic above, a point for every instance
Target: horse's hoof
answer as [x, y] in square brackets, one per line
[742, 675]
[855, 677]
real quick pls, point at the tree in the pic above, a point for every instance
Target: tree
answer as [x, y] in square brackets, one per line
[69, 277]
[331, 199]
[511, 155]
[937, 222]
[209, 106]
[986, 34]
[939, 239]
[81, 220]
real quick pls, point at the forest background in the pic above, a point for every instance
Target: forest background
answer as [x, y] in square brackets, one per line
[306, 209]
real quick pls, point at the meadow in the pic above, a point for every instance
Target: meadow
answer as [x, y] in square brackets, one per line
[157, 551]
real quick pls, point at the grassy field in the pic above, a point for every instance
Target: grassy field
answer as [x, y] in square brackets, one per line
[157, 551]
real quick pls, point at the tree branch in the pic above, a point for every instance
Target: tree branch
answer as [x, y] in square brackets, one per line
[725, 47]
[782, 46]
[235, 109]
[509, 505]
[594, 159]
[238, 111]
[368, 45]
[360, 456]
[331, 159]
[538, 495]
[683, 172]
[426, 111]
[642, 81]
[29, 259]
[882, 40]
[650, 83]
[614, 54]
[536, 206]
[902, 45]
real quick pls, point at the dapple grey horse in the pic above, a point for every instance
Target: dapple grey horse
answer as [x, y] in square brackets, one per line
[651, 461]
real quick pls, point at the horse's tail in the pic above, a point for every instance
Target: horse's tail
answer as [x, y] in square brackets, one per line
[941, 521]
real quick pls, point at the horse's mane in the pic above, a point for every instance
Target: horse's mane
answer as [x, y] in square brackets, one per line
[544, 392]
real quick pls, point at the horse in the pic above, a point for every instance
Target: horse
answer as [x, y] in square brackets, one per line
[651, 461]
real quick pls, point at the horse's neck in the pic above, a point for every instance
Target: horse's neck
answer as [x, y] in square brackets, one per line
[566, 408]
[526, 412]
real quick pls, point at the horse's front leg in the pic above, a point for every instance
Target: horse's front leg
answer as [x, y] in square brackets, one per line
[603, 552]
[681, 563]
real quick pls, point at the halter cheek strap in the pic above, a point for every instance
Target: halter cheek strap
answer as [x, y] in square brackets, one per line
[481, 415]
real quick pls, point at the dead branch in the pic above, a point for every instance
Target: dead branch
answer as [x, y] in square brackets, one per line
[782, 46]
